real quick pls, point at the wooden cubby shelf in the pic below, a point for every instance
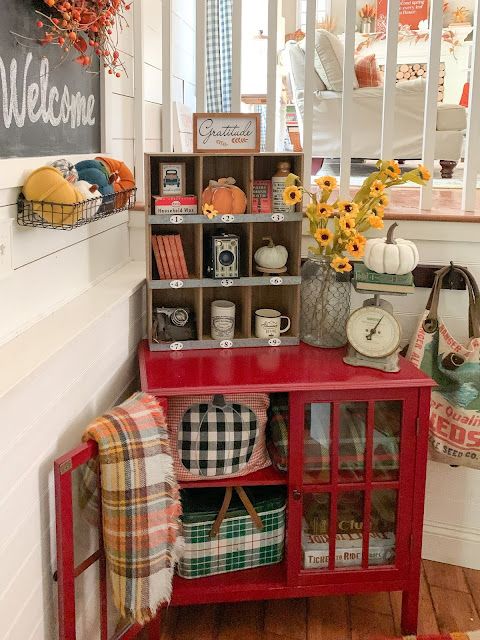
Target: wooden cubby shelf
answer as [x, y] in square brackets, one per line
[252, 290]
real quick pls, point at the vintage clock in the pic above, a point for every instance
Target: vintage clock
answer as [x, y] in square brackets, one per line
[374, 336]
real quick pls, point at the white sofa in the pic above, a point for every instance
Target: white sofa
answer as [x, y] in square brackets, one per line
[368, 104]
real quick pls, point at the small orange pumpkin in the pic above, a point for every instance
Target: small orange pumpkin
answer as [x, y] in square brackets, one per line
[121, 178]
[225, 196]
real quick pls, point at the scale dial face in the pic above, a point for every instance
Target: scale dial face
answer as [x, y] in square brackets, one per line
[373, 332]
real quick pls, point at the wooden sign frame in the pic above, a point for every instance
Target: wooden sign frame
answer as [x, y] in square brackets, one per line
[229, 143]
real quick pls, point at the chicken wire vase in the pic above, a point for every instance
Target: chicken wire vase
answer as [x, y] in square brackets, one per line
[325, 304]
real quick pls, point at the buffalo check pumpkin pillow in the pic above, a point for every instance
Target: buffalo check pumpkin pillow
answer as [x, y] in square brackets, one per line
[218, 436]
[367, 72]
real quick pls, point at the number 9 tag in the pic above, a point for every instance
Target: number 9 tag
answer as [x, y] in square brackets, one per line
[176, 284]
[274, 342]
[276, 280]
[176, 346]
[176, 219]
[278, 217]
[226, 344]
[228, 218]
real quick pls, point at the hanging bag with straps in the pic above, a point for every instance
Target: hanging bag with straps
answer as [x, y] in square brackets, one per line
[455, 367]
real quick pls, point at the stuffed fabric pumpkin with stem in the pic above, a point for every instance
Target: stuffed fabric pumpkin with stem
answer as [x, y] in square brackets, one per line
[225, 196]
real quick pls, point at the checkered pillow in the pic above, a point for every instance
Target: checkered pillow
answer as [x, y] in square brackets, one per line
[219, 436]
[366, 71]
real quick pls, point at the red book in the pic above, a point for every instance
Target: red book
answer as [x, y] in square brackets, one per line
[158, 259]
[169, 257]
[163, 255]
[181, 257]
[177, 272]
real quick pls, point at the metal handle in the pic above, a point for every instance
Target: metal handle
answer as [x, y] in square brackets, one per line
[297, 494]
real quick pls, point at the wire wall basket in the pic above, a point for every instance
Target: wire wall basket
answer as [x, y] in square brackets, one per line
[54, 215]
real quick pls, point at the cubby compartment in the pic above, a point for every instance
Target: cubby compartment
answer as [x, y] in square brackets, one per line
[192, 242]
[239, 230]
[193, 173]
[188, 299]
[221, 166]
[265, 166]
[240, 296]
[283, 299]
[287, 234]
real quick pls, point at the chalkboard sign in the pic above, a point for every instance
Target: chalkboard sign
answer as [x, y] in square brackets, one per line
[49, 105]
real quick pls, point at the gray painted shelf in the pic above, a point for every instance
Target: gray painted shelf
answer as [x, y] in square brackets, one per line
[195, 283]
[216, 344]
[226, 219]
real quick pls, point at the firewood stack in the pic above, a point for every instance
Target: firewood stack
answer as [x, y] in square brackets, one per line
[407, 72]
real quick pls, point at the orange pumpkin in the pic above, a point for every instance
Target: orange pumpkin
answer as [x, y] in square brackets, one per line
[225, 196]
[120, 177]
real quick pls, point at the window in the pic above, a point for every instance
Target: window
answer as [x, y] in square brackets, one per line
[323, 10]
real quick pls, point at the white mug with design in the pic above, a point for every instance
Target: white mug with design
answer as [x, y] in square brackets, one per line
[223, 320]
[268, 323]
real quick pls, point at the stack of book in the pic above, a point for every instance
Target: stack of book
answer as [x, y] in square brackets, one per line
[170, 257]
[366, 280]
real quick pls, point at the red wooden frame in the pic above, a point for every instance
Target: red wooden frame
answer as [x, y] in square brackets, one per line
[309, 375]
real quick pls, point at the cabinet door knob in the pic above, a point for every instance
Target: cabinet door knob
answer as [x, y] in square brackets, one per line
[297, 494]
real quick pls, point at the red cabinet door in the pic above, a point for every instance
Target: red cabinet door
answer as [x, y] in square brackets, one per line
[351, 466]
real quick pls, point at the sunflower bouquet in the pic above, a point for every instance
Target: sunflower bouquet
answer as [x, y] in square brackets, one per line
[338, 227]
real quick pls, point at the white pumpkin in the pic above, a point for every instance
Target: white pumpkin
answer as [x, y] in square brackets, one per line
[271, 256]
[386, 255]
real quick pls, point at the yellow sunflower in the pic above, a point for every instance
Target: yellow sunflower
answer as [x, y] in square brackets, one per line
[325, 210]
[392, 169]
[356, 247]
[376, 189]
[292, 195]
[424, 173]
[323, 236]
[347, 208]
[341, 264]
[375, 222]
[209, 211]
[347, 224]
[383, 200]
[326, 183]
[377, 210]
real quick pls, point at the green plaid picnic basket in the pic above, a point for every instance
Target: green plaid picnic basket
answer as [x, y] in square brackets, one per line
[222, 535]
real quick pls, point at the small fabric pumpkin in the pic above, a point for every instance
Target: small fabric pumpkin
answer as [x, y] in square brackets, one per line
[67, 169]
[225, 196]
[95, 172]
[271, 256]
[92, 196]
[386, 255]
[47, 185]
[121, 178]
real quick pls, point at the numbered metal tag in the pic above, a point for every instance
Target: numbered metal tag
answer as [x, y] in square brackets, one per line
[278, 217]
[228, 218]
[176, 219]
[226, 283]
[176, 346]
[276, 280]
[274, 342]
[226, 344]
[176, 284]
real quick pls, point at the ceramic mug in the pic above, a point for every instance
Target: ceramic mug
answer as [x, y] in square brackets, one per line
[223, 320]
[268, 323]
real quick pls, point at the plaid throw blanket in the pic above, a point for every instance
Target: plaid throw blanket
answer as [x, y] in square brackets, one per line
[140, 502]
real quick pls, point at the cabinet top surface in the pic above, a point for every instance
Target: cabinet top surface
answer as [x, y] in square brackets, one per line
[297, 368]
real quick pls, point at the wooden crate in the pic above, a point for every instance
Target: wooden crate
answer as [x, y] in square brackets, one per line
[252, 290]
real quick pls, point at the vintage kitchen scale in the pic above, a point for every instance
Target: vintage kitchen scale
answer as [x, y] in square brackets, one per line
[374, 335]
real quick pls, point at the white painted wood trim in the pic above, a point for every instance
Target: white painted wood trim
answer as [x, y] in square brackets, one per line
[105, 112]
[473, 126]
[274, 11]
[388, 116]
[431, 99]
[308, 90]
[452, 544]
[347, 98]
[139, 101]
[200, 55]
[236, 55]
[167, 105]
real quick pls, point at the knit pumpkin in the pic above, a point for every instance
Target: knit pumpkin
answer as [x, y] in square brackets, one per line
[60, 198]
[225, 196]
[121, 177]
[95, 172]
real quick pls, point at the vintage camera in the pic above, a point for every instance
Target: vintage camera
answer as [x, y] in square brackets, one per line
[222, 252]
[173, 324]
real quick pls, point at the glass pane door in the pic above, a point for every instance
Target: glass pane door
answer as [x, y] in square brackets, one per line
[316, 447]
[386, 439]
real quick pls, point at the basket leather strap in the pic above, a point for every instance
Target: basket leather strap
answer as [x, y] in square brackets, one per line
[257, 521]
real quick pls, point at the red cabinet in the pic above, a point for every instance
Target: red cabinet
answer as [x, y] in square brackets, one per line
[356, 470]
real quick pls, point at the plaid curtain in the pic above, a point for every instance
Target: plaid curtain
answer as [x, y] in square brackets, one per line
[219, 55]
